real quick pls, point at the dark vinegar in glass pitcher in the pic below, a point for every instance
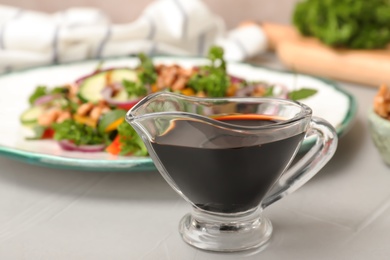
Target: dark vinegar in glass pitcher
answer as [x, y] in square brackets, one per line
[221, 172]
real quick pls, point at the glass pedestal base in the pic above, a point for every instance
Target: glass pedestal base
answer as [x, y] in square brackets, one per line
[225, 233]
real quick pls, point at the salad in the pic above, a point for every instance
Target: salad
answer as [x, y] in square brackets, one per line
[88, 115]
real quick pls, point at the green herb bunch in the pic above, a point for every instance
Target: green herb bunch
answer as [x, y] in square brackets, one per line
[355, 24]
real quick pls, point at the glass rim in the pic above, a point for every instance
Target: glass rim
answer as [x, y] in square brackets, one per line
[305, 111]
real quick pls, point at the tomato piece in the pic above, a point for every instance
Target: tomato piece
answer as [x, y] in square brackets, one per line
[48, 133]
[114, 147]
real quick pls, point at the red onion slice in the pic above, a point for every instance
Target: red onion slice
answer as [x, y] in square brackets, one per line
[45, 99]
[69, 146]
[245, 91]
[235, 80]
[107, 95]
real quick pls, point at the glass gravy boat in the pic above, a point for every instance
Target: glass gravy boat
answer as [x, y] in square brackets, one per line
[230, 159]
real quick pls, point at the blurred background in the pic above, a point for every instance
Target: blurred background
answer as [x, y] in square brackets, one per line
[122, 11]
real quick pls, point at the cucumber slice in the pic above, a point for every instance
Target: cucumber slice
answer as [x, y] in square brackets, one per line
[91, 88]
[30, 116]
[111, 120]
[118, 75]
[121, 96]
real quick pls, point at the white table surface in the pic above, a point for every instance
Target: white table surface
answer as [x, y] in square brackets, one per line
[342, 213]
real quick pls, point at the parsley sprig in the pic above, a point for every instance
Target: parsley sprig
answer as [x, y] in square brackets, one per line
[136, 89]
[147, 76]
[146, 72]
[130, 142]
[212, 79]
[78, 133]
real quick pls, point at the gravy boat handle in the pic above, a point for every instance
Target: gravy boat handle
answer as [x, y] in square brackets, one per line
[307, 166]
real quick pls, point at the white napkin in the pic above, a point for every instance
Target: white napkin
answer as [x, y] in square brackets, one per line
[174, 27]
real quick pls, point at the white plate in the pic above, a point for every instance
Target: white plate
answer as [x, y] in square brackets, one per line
[331, 103]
